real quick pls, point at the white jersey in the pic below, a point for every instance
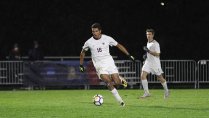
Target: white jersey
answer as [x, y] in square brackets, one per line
[100, 48]
[102, 60]
[152, 63]
[151, 59]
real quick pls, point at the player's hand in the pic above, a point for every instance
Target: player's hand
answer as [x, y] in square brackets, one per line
[145, 56]
[146, 49]
[131, 58]
[82, 69]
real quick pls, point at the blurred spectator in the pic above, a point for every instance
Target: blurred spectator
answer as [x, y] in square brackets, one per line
[15, 53]
[72, 73]
[35, 53]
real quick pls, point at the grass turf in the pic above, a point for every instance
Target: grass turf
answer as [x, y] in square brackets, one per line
[78, 103]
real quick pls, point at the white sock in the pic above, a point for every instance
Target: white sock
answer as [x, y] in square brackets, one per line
[145, 86]
[116, 95]
[165, 86]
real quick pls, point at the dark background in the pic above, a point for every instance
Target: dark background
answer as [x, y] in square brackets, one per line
[62, 26]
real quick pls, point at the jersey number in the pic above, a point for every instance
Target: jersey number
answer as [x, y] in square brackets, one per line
[99, 49]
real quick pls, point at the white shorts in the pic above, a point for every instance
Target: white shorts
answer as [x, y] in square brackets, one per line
[106, 66]
[156, 70]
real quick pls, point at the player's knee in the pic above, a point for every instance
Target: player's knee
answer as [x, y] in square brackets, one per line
[117, 82]
[143, 77]
[161, 79]
[109, 84]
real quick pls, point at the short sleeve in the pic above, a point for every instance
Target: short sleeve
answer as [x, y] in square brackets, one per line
[157, 47]
[85, 46]
[112, 42]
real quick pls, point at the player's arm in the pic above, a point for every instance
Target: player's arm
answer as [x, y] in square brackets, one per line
[82, 55]
[124, 50]
[151, 52]
[154, 53]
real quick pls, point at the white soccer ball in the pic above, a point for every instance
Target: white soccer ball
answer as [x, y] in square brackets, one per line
[98, 100]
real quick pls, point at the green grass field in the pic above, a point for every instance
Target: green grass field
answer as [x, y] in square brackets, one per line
[78, 103]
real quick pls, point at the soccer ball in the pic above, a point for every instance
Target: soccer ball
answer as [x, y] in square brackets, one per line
[98, 100]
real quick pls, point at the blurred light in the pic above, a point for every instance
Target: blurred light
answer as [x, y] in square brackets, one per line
[162, 3]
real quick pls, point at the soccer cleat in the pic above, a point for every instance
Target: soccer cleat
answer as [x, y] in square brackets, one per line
[122, 104]
[145, 95]
[123, 82]
[166, 94]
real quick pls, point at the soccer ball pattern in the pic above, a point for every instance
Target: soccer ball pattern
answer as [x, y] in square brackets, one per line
[98, 100]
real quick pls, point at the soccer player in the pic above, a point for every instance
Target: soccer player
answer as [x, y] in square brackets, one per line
[103, 62]
[152, 64]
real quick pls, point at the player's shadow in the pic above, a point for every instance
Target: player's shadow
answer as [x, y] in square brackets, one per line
[106, 103]
[155, 107]
[164, 107]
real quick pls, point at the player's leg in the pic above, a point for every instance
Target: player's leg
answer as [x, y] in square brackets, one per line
[123, 81]
[119, 80]
[107, 68]
[106, 78]
[164, 84]
[113, 70]
[145, 84]
[115, 77]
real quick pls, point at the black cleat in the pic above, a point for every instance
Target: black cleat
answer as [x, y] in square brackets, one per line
[122, 104]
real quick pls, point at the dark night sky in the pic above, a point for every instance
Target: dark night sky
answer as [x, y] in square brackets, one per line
[62, 26]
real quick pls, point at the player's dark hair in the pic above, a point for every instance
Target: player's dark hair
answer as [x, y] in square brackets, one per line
[151, 30]
[96, 25]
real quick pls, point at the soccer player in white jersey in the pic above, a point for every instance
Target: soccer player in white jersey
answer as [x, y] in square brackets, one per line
[152, 64]
[102, 60]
